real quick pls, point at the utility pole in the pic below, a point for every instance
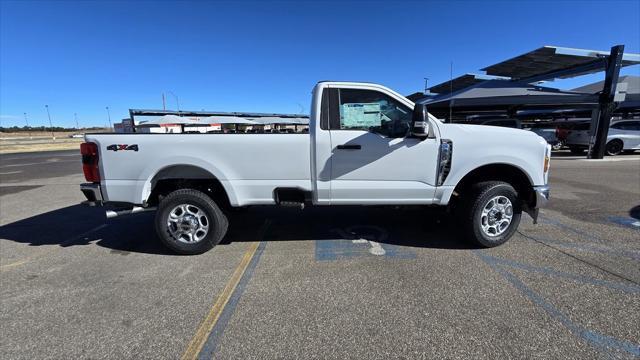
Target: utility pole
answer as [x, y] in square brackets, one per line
[109, 117]
[75, 116]
[28, 129]
[164, 104]
[426, 87]
[53, 136]
[606, 104]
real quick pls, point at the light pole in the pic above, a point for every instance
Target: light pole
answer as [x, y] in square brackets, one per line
[53, 136]
[28, 129]
[109, 117]
[177, 101]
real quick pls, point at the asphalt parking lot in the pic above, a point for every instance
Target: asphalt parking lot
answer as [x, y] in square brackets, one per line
[320, 283]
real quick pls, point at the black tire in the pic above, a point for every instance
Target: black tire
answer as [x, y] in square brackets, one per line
[216, 220]
[614, 147]
[477, 199]
[576, 150]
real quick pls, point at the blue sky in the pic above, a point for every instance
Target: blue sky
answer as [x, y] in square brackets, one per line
[81, 56]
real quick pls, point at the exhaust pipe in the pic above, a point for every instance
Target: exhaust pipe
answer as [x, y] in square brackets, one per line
[134, 210]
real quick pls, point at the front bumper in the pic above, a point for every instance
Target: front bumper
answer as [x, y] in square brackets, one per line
[542, 195]
[541, 200]
[93, 194]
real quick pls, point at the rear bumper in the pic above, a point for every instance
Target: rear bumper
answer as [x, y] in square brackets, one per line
[93, 194]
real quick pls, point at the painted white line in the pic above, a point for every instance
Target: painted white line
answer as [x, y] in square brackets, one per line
[43, 156]
[52, 249]
[39, 163]
[606, 160]
[10, 172]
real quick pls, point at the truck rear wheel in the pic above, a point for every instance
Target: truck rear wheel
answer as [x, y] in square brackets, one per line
[189, 222]
[492, 213]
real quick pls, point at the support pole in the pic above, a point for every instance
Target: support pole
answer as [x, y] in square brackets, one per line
[53, 135]
[28, 128]
[606, 106]
[109, 117]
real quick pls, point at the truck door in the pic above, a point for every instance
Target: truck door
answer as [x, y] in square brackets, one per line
[372, 159]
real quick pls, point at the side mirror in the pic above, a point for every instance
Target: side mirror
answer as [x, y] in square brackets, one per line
[420, 122]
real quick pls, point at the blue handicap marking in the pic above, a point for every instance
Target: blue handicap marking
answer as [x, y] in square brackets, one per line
[360, 241]
[626, 221]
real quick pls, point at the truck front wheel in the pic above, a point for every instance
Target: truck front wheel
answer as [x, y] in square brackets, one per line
[189, 222]
[492, 213]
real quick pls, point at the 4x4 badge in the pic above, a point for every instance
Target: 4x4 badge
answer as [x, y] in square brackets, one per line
[118, 147]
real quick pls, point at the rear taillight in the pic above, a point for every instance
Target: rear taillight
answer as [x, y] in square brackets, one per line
[89, 153]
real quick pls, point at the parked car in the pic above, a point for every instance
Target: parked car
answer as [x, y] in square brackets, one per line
[624, 135]
[550, 134]
[367, 145]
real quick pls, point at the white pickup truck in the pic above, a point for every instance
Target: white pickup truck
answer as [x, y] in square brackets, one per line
[366, 145]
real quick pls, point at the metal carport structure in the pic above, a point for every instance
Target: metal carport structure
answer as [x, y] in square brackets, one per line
[525, 71]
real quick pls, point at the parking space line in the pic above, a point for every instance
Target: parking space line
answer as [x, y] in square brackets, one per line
[205, 339]
[561, 225]
[634, 289]
[211, 345]
[625, 221]
[38, 163]
[610, 159]
[634, 255]
[577, 258]
[604, 342]
[17, 263]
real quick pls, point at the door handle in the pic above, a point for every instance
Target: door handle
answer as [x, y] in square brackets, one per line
[349, 147]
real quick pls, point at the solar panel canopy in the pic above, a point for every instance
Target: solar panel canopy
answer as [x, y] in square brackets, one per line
[459, 83]
[552, 59]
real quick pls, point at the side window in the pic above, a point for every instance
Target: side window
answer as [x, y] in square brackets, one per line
[372, 111]
[631, 125]
[627, 125]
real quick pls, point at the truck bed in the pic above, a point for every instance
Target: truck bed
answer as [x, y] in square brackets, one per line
[128, 173]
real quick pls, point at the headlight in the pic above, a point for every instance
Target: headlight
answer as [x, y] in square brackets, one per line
[444, 160]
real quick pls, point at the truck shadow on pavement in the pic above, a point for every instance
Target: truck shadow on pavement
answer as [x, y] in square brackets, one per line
[80, 225]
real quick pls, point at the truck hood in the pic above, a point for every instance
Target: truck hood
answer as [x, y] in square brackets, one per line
[487, 131]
